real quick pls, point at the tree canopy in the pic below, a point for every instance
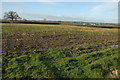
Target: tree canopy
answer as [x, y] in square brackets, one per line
[11, 15]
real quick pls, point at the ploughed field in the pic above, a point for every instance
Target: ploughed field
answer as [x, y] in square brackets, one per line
[22, 37]
[59, 51]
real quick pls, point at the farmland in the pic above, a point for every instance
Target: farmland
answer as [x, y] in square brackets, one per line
[59, 51]
[37, 36]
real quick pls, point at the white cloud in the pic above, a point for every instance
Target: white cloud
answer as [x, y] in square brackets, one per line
[103, 8]
[57, 17]
[0, 10]
[102, 19]
[105, 12]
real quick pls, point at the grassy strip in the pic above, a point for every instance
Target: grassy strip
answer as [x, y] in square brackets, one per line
[56, 64]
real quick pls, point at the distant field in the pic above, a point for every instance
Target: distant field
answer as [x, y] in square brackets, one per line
[39, 36]
[59, 51]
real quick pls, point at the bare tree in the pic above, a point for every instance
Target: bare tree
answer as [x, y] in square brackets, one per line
[11, 15]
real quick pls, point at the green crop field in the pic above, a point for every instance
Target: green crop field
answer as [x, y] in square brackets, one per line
[59, 51]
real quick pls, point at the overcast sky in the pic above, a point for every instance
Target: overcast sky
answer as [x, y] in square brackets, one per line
[68, 11]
